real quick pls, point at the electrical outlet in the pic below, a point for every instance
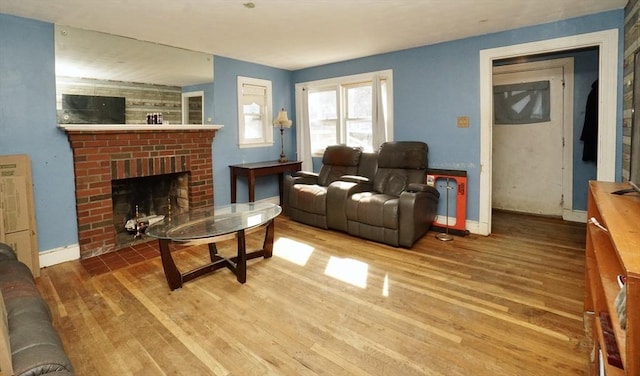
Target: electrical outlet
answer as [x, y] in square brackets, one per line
[463, 122]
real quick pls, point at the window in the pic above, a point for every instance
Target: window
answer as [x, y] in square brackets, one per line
[254, 112]
[523, 103]
[341, 111]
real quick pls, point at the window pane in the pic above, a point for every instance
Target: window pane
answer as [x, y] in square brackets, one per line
[359, 129]
[523, 103]
[360, 133]
[359, 102]
[252, 121]
[323, 119]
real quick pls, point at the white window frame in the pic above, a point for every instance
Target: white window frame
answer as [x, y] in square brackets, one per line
[340, 83]
[267, 127]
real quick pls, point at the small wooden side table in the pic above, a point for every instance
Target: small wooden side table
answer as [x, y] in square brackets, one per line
[255, 169]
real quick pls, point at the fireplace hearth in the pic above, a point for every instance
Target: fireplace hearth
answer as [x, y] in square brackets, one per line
[106, 155]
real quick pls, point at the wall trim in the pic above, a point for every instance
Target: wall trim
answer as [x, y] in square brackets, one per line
[575, 216]
[59, 255]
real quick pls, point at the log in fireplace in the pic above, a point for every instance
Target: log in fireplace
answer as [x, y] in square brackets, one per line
[103, 154]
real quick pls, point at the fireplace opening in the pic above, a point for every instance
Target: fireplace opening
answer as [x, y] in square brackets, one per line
[138, 202]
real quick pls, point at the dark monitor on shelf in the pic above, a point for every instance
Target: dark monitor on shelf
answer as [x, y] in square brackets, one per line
[92, 109]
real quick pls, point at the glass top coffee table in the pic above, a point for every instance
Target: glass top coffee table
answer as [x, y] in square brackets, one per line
[212, 225]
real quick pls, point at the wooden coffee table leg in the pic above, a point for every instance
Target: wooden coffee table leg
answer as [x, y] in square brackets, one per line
[213, 252]
[267, 246]
[171, 272]
[241, 266]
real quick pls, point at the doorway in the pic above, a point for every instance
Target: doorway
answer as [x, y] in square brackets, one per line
[193, 107]
[607, 43]
[532, 137]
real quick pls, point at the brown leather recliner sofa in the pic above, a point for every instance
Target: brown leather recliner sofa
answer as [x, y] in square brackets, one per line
[34, 345]
[378, 196]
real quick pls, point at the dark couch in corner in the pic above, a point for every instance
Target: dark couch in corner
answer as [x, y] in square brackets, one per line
[35, 346]
[377, 196]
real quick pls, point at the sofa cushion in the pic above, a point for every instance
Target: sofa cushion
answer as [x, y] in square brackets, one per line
[390, 182]
[341, 155]
[329, 174]
[403, 154]
[310, 198]
[338, 160]
[373, 209]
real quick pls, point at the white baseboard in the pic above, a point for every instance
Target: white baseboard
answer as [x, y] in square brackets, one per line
[59, 255]
[575, 216]
[475, 228]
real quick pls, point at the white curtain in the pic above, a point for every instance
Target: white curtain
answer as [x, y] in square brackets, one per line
[378, 117]
[302, 132]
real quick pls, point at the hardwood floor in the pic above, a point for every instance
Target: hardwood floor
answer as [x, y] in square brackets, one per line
[331, 304]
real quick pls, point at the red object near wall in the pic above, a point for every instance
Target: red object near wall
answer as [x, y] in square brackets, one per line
[460, 178]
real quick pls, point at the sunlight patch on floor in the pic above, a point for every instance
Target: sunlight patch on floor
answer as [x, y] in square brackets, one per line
[293, 251]
[348, 270]
[385, 285]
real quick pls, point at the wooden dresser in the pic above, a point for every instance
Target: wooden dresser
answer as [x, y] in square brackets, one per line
[609, 253]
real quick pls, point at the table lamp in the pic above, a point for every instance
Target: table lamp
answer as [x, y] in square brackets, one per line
[283, 122]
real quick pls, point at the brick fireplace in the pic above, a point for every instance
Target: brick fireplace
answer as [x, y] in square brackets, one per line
[102, 153]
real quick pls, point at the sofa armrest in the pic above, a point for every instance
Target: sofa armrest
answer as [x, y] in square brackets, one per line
[309, 178]
[417, 209]
[355, 179]
[298, 177]
[338, 193]
[417, 187]
[36, 348]
[7, 253]
[305, 174]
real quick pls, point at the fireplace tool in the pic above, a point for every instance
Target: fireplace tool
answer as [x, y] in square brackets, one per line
[140, 226]
[445, 236]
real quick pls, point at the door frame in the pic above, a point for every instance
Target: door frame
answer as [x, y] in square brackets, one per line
[607, 42]
[567, 122]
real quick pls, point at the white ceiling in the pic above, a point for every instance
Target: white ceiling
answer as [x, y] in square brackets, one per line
[295, 34]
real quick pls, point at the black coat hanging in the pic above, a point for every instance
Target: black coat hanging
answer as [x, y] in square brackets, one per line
[590, 129]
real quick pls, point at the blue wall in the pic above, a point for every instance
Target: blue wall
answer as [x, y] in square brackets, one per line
[225, 145]
[432, 86]
[435, 84]
[28, 125]
[585, 72]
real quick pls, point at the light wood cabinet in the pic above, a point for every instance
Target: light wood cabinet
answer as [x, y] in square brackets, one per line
[609, 253]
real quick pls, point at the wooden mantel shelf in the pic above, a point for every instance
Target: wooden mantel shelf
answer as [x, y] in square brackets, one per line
[137, 127]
